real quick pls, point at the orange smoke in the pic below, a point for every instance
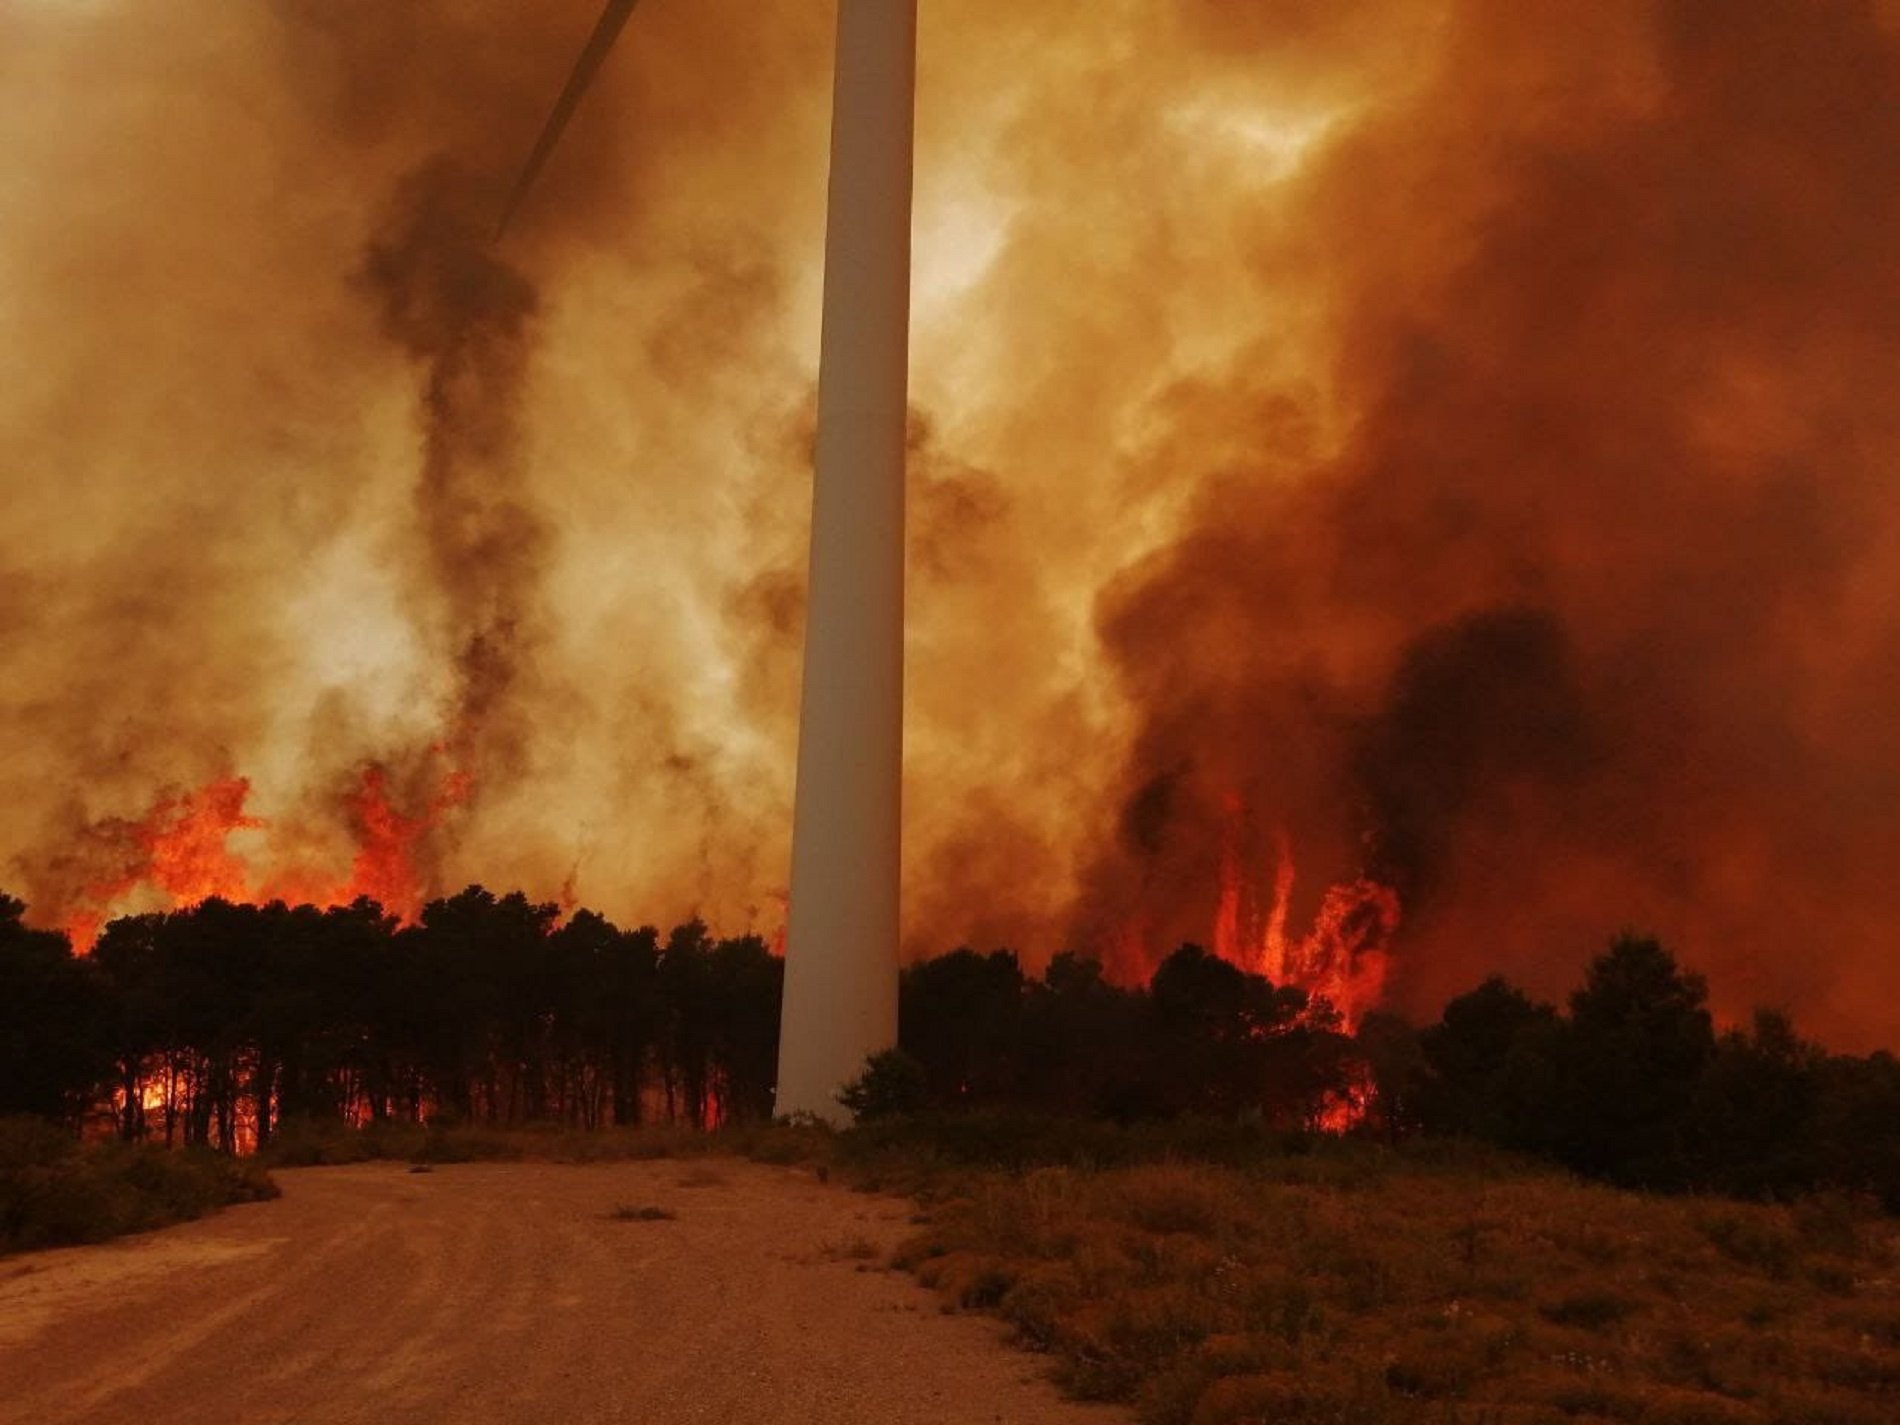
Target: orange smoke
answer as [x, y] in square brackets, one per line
[1461, 429]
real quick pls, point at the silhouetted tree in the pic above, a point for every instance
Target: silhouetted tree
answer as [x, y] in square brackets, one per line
[1492, 1062]
[1079, 1050]
[959, 1016]
[216, 1024]
[1755, 1111]
[1638, 1042]
[685, 984]
[1858, 1126]
[746, 982]
[1213, 1046]
[1395, 1059]
[52, 1023]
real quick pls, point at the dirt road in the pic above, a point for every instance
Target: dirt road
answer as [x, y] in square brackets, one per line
[509, 1293]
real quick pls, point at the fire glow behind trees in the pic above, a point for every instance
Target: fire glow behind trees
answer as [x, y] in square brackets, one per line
[1441, 447]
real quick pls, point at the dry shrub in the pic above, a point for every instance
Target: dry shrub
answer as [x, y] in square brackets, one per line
[970, 1279]
[849, 1249]
[1209, 1293]
[1151, 1325]
[1245, 1399]
[1174, 1197]
[55, 1191]
[1751, 1240]
[1442, 1364]
[1038, 1216]
[1595, 1399]
[1280, 1303]
[1233, 1354]
[1831, 1408]
[1594, 1243]
[1875, 1328]
[1830, 1222]
[1834, 1278]
[1040, 1300]
[1862, 1367]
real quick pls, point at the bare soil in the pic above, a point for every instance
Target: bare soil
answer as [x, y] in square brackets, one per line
[533, 1294]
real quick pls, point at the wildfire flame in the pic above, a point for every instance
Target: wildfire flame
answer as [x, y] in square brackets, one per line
[1343, 958]
[179, 854]
[1346, 1107]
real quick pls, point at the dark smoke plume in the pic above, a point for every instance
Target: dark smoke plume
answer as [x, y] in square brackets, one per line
[450, 301]
[1588, 620]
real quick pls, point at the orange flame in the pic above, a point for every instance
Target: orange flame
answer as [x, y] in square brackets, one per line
[1346, 1107]
[385, 867]
[1342, 959]
[180, 854]
[184, 842]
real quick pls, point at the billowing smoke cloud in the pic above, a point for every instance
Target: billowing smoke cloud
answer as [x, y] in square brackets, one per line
[1451, 435]
[324, 480]
[466, 315]
[1584, 610]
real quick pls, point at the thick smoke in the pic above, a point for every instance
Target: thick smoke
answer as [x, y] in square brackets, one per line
[1451, 434]
[321, 480]
[1586, 616]
[467, 317]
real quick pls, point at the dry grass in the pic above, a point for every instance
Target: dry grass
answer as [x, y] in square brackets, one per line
[850, 1249]
[1213, 1296]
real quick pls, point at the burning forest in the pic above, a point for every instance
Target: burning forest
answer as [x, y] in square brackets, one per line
[1400, 488]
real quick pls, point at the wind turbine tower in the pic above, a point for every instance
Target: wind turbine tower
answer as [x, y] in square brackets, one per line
[841, 945]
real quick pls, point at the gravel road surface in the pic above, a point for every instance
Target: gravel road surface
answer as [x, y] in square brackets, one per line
[488, 1293]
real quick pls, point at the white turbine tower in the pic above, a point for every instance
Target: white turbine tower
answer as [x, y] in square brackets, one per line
[841, 946]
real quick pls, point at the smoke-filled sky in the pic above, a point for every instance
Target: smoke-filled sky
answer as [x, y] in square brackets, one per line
[1456, 435]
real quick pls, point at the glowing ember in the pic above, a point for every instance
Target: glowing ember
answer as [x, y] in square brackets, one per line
[1343, 1109]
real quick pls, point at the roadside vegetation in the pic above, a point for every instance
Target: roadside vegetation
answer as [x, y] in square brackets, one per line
[56, 1191]
[1380, 1286]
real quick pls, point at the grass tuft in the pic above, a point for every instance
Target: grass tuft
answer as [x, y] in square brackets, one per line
[646, 1213]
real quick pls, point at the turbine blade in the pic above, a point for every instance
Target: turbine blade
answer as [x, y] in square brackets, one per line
[612, 21]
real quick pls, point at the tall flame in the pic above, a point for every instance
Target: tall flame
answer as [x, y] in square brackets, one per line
[1343, 958]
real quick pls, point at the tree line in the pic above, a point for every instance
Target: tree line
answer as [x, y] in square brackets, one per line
[214, 1025]
[217, 1024]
